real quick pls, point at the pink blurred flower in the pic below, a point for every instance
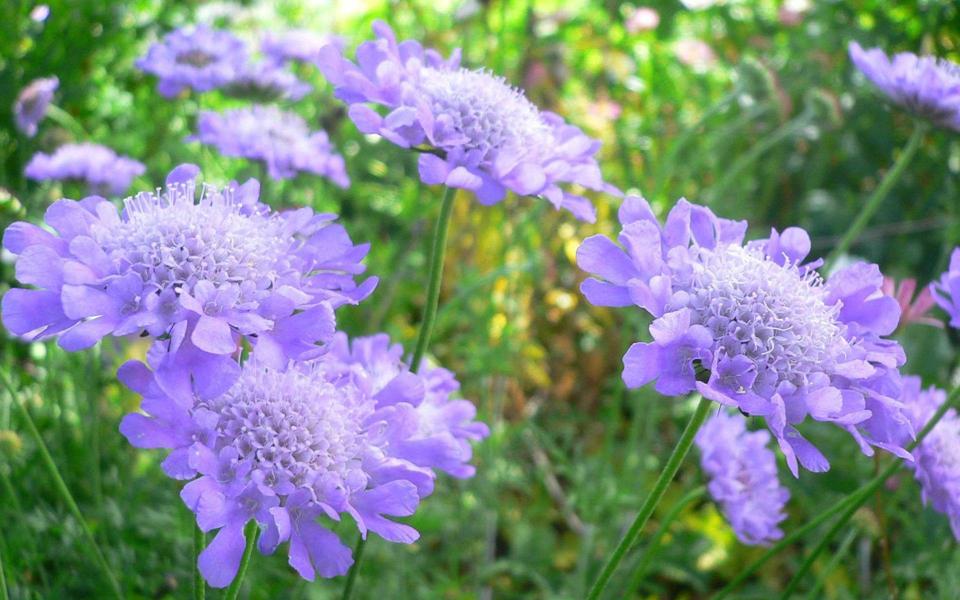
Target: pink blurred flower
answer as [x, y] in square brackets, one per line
[643, 18]
[791, 12]
[912, 310]
[695, 54]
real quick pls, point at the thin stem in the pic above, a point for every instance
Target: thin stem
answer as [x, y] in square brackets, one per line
[757, 151]
[847, 505]
[660, 487]
[354, 568]
[651, 551]
[437, 253]
[251, 532]
[873, 202]
[4, 593]
[199, 585]
[63, 490]
[666, 167]
[834, 562]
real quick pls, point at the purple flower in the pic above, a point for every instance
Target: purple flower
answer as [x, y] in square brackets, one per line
[100, 168]
[266, 80]
[752, 326]
[445, 427]
[936, 463]
[946, 292]
[482, 134]
[348, 433]
[279, 138]
[197, 275]
[297, 44]
[197, 58]
[926, 86]
[32, 102]
[743, 477]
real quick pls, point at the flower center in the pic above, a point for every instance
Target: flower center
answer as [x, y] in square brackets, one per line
[171, 241]
[195, 58]
[773, 315]
[294, 426]
[487, 115]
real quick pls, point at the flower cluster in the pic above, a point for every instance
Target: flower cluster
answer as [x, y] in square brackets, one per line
[753, 327]
[482, 134]
[946, 292]
[296, 45]
[198, 58]
[266, 80]
[279, 138]
[743, 477]
[102, 170]
[32, 102]
[198, 274]
[936, 463]
[926, 86]
[353, 432]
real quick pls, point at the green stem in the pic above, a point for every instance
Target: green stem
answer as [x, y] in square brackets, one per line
[4, 593]
[251, 532]
[660, 487]
[437, 253]
[834, 562]
[63, 490]
[669, 161]
[199, 542]
[651, 551]
[873, 202]
[847, 506]
[354, 568]
[757, 151]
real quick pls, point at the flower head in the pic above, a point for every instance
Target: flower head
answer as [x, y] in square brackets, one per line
[297, 44]
[32, 102]
[752, 326]
[196, 274]
[352, 432]
[279, 138]
[743, 477]
[100, 168]
[912, 309]
[445, 427]
[265, 80]
[483, 134]
[946, 292]
[197, 58]
[936, 463]
[926, 86]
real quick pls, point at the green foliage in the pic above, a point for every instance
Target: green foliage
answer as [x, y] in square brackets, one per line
[776, 129]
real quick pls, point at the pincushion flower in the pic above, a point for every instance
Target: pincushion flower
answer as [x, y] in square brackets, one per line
[946, 292]
[318, 440]
[196, 274]
[32, 102]
[444, 426]
[279, 138]
[936, 462]
[265, 80]
[477, 131]
[100, 168]
[753, 327]
[743, 477]
[926, 86]
[197, 58]
[296, 44]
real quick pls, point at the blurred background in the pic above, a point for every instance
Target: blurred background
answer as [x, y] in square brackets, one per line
[752, 107]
